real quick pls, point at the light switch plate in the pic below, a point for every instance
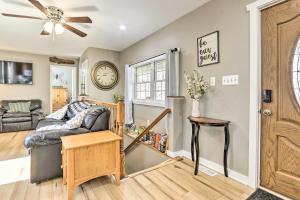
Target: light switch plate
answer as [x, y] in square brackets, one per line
[230, 80]
[212, 81]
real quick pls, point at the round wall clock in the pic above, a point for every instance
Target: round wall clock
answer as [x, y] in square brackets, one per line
[105, 75]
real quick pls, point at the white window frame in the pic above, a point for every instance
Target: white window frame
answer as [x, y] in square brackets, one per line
[152, 101]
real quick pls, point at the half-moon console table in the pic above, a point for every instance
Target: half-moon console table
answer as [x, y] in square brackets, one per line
[196, 123]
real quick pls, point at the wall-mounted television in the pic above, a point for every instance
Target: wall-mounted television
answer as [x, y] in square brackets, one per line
[15, 72]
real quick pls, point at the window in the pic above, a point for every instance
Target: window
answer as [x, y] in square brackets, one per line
[160, 80]
[143, 82]
[296, 72]
[83, 78]
[150, 81]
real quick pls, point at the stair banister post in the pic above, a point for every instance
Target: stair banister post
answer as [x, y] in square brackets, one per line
[120, 129]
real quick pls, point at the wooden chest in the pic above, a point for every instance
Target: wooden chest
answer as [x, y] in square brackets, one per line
[88, 156]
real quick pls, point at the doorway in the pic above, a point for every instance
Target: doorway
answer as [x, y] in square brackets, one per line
[62, 86]
[280, 108]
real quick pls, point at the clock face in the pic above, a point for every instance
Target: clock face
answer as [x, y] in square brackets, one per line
[105, 75]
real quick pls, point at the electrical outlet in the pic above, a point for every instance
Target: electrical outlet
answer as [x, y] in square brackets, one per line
[212, 81]
[230, 80]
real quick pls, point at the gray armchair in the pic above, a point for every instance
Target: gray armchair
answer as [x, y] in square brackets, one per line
[20, 121]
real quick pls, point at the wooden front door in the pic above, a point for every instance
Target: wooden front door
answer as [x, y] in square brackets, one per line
[280, 134]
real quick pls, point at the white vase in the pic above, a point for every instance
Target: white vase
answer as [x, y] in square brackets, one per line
[196, 108]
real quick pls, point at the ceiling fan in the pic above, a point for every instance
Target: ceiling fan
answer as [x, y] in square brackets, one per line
[56, 21]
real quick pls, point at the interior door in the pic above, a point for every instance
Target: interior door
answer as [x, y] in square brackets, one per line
[280, 134]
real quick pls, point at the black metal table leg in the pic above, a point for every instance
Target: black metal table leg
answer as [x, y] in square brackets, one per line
[197, 130]
[226, 147]
[196, 123]
[192, 141]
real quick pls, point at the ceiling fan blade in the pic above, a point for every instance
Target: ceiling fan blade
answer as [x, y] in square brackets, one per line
[78, 19]
[89, 8]
[21, 16]
[39, 6]
[45, 33]
[74, 30]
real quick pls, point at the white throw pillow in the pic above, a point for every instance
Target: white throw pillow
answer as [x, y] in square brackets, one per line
[59, 114]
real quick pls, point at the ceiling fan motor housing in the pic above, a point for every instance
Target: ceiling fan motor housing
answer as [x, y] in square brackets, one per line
[54, 14]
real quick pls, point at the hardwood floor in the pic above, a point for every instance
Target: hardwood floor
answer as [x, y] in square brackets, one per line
[171, 180]
[11, 145]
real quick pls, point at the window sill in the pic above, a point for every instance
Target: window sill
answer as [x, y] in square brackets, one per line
[149, 103]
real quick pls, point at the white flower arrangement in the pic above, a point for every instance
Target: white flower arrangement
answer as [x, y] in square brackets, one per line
[196, 85]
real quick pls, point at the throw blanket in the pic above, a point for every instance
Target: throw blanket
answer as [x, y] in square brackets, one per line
[59, 114]
[73, 109]
[73, 123]
[78, 109]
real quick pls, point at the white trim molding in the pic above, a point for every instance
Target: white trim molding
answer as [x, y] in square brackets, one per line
[150, 60]
[262, 4]
[212, 165]
[150, 103]
[255, 9]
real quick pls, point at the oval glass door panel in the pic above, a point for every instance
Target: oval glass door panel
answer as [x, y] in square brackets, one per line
[296, 72]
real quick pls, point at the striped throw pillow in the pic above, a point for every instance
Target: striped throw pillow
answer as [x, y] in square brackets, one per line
[19, 107]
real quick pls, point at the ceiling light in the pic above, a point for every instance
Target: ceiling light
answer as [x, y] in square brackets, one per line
[48, 27]
[123, 27]
[59, 29]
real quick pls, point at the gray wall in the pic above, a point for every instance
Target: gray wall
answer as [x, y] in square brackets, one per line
[94, 55]
[142, 114]
[41, 79]
[224, 102]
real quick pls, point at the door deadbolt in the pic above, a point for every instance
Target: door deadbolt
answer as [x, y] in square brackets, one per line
[267, 112]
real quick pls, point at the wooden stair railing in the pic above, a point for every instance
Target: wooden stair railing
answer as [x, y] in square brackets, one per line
[138, 138]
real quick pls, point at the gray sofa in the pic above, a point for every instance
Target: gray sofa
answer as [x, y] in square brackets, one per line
[20, 121]
[45, 146]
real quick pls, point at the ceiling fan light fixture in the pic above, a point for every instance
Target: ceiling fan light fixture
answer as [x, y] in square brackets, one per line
[123, 27]
[59, 29]
[48, 27]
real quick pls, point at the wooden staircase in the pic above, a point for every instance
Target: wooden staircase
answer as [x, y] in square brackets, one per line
[136, 141]
[140, 155]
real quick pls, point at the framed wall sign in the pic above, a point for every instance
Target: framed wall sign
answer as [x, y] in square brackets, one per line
[208, 49]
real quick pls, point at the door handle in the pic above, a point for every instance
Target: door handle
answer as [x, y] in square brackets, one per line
[267, 112]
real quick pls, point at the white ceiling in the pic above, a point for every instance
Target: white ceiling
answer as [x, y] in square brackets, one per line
[142, 17]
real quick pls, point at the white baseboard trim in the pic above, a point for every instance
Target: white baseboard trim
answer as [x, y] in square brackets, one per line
[212, 165]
